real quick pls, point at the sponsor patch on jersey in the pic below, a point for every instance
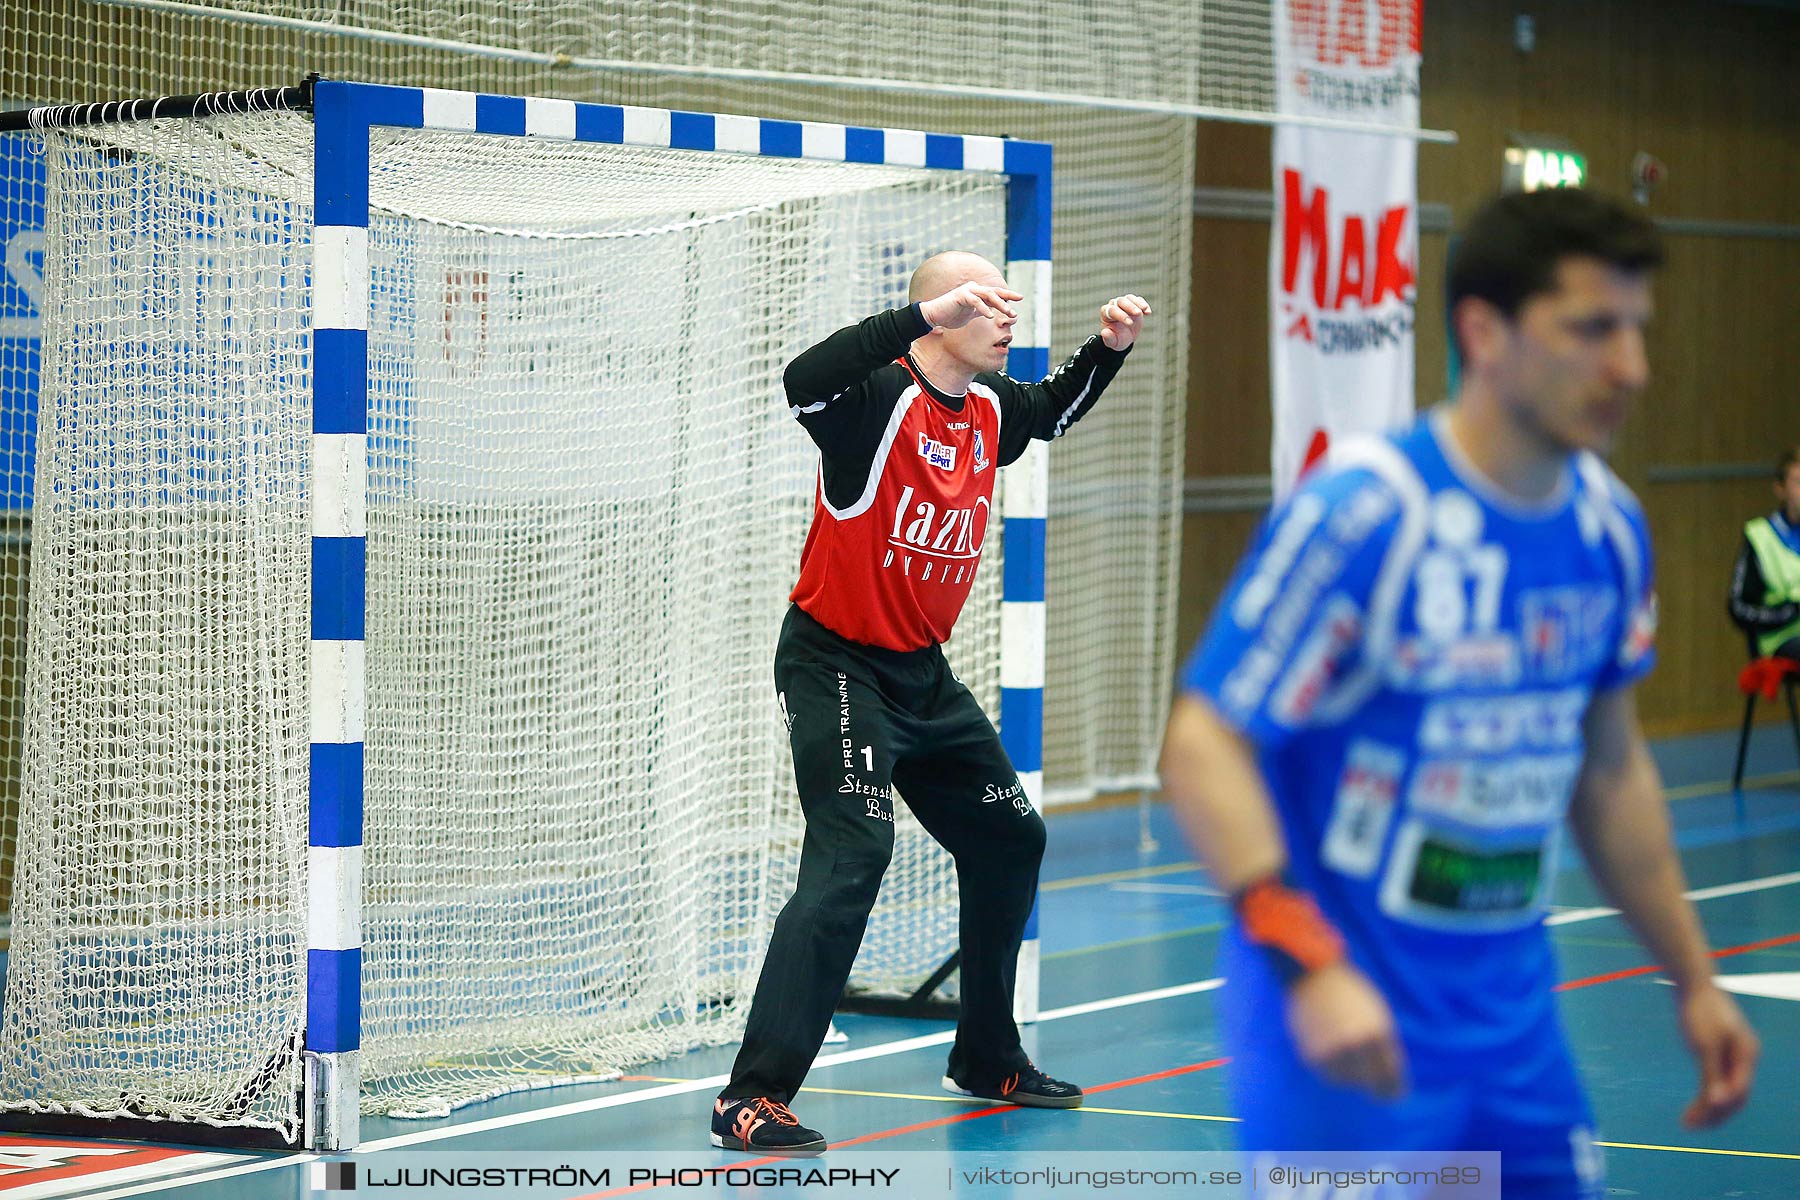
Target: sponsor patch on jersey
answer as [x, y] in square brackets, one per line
[1476, 661]
[1502, 724]
[1506, 793]
[1462, 881]
[1564, 630]
[1367, 792]
[1458, 879]
[938, 454]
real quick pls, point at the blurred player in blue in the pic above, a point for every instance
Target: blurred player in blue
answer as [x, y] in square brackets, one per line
[1426, 661]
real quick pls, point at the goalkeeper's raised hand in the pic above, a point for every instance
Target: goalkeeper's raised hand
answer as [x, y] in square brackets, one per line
[962, 304]
[1122, 319]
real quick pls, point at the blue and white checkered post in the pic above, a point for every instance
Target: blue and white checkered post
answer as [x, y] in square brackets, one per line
[1025, 505]
[343, 116]
[340, 323]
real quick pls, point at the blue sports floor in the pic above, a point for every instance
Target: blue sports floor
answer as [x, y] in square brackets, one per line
[1127, 983]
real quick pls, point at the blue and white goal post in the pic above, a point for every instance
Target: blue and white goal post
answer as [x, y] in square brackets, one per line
[344, 116]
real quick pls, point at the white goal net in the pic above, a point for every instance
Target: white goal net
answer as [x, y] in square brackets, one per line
[586, 503]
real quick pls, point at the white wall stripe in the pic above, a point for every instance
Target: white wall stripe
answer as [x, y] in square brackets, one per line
[905, 147]
[340, 298]
[334, 897]
[740, 135]
[1022, 644]
[338, 711]
[984, 153]
[1025, 486]
[550, 118]
[822, 141]
[449, 110]
[340, 484]
[646, 126]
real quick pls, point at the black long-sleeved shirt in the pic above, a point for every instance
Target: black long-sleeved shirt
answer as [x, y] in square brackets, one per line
[906, 476]
[843, 390]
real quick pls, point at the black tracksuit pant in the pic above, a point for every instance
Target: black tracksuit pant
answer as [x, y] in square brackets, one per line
[863, 721]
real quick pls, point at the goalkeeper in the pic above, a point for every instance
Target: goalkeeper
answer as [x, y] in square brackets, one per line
[913, 418]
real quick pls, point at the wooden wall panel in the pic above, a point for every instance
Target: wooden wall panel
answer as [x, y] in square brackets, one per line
[1705, 86]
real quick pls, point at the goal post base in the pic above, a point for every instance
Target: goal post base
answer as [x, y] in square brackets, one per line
[142, 1129]
[923, 1003]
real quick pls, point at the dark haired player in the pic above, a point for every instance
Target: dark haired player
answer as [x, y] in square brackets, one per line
[1426, 661]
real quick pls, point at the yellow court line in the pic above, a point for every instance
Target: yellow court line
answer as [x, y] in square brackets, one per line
[1169, 1116]
[946, 1098]
[1698, 1150]
[1140, 1112]
[1118, 876]
[1148, 938]
[1723, 786]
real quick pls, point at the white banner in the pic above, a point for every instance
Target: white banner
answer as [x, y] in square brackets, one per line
[1343, 254]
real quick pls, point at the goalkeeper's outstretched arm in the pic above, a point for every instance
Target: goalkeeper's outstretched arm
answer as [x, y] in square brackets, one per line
[1045, 410]
[825, 373]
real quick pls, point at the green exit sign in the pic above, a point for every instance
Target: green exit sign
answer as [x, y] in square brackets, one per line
[1534, 168]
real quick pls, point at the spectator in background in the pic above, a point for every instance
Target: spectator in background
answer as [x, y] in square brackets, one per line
[1765, 582]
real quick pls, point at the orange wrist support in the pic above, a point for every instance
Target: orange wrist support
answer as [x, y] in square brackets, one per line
[1287, 924]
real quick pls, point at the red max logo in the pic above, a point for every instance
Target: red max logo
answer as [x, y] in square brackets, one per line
[1369, 269]
[1336, 32]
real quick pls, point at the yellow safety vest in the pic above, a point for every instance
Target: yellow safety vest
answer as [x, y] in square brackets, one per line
[1781, 578]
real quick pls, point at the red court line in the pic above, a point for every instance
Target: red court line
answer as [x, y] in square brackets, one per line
[881, 1135]
[1170, 1074]
[1746, 948]
[956, 1119]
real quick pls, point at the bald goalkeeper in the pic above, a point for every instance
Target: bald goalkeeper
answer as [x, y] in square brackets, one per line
[913, 417]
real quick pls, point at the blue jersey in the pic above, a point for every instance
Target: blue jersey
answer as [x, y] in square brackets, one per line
[1412, 655]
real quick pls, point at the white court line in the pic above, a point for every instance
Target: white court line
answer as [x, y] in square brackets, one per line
[939, 1039]
[1173, 889]
[1708, 893]
[714, 1082]
[252, 1168]
[1749, 885]
[883, 1050]
[69, 1185]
